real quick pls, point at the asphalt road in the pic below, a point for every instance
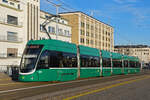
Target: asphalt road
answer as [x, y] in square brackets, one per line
[139, 90]
[79, 90]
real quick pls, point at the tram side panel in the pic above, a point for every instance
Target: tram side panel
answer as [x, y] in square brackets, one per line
[106, 63]
[117, 64]
[89, 62]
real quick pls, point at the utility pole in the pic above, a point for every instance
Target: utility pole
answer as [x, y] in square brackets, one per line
[46, 22]
[111, 40]
[57, 8]
[141, 60]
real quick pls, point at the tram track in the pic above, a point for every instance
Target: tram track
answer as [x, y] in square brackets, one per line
[38, 88]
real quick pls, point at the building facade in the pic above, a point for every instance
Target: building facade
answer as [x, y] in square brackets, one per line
[57, 29]
[12, 29]
[89, 31]
[140, 51]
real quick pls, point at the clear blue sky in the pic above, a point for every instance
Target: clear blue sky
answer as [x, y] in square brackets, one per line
[130, 18]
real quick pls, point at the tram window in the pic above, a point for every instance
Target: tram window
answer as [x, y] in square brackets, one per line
[50, 59]
[89, 61]
[43, 61]
[84, 60]
[135, 64]
[132, 64]
[138, 64]
[106, 62]
[62, 59]
[125, 63]
[69, 60]
[117, 63]
[53, 59]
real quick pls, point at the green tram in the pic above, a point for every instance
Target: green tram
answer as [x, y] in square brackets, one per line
[54, 60]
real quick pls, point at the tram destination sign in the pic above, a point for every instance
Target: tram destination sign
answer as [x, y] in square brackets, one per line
[33, 46]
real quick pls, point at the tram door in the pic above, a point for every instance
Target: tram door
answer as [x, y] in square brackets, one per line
[42, 67]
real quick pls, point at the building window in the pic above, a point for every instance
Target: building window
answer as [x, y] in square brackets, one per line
[96, 43]
[87, 33]
[103, 31]
[51, 30]
[58, 20]
[92, 27]
[82, 32]
[12, 52]
[18, 6]
[99, 36]
[63, 22]
[106, 44]
[12, 36]
[60, 31]
[103, 38]
[12, 20]
[82, 24]
[92, 35]
[91, 41]
[96, 29]
[66, 33]
[41, 28]
[87, 41]
[11, 3]
[96, 36]
[42, 38]
[6, 1]
[106, 32]
[87, 26]
[82, 40]
[99, 43]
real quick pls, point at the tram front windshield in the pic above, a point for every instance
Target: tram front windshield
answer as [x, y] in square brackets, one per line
[29, 58]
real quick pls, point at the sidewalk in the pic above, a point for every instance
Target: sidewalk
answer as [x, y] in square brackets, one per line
[4, 76]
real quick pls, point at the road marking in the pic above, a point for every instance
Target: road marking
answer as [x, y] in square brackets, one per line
[5, 79]
[10, 93]
[105, 88]
[9, 84]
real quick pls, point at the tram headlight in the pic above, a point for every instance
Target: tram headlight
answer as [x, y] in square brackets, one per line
[32, 78]
[22, 77]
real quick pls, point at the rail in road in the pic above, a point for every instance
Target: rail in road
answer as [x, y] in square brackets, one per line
[64, 90]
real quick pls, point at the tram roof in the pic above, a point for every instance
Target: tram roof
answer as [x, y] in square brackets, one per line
[116, 55]
[84, 50]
